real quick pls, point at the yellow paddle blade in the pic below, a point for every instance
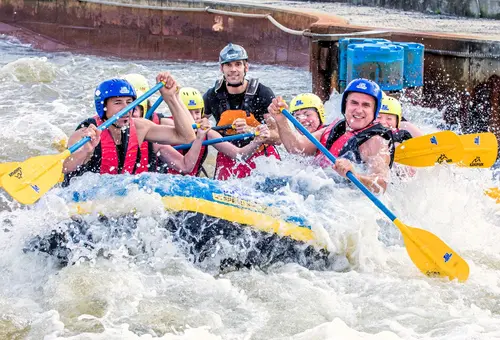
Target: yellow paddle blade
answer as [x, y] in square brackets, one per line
[439, 147]
[431, 255]
[480, 150]
[8, 167]
[34, 177]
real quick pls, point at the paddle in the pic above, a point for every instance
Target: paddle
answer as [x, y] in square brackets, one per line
[35, 176]
[216, 128]
[439, 147]
[153, 108]
[480, 150]
[8, 167]
[431, 255]
[218, 140]
[223, 127]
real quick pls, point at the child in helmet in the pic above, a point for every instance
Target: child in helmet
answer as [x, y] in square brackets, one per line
[391, 117]
[190, 162]
[309, 110]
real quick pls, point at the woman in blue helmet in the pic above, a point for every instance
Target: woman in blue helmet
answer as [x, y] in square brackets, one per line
[117, 149]
[357, 137]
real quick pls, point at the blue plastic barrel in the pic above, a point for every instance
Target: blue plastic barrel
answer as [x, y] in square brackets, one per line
[343, 43]
[382, 63]
[413, 74]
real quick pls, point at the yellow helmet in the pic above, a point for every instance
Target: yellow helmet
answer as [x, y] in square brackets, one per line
[307, 101]
[141, 86]
[192, 98]
[391, 106]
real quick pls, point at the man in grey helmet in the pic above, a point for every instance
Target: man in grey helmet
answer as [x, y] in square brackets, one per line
[241, 103]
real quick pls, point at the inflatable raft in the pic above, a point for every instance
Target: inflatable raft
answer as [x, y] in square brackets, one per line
[202, 214]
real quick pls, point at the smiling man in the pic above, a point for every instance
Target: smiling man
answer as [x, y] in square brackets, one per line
[242, 103]
[116, 150]
[356, 139]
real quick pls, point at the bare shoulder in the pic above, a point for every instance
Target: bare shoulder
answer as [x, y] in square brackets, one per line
[317, 134]
[141, 123]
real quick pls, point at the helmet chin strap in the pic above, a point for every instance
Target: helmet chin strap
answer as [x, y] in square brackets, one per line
[237, 84]
[234, 85]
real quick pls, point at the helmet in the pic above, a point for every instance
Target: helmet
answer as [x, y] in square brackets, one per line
[111, 88]
[141, 86]
[232, 53]
[391, 106]
[308, 101]
[365, 86]
[192, 98]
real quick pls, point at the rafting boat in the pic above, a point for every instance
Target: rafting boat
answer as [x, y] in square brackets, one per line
[263, 229]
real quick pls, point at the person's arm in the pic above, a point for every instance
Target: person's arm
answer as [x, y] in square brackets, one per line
[291, 139]
[84, 154]
[245, 152]
[375, 153]
[182, 131]
[185, 163]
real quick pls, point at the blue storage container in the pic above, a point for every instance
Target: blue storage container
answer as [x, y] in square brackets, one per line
[413, 74]
[343, 43]
[382, 63]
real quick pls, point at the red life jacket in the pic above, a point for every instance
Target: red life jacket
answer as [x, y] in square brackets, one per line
[199, 162]
[147, 163]
[226, 167]
[341, 142]
[109, 154]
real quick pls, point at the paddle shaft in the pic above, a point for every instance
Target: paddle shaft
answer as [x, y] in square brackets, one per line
[223, 127]
[216, 128]
[117, 116]
[216, 140]
[332, 158]
[153, 108]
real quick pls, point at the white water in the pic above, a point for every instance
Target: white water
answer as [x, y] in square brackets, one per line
[163, 295]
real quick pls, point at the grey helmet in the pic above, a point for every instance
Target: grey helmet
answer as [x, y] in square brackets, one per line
[232, 53]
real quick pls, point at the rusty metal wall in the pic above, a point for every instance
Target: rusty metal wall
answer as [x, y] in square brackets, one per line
[158, 33]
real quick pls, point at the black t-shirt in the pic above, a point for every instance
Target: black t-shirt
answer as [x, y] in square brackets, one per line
[258, 106]
[94, 164]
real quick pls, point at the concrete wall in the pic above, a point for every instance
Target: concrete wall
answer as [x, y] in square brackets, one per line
[470, 8]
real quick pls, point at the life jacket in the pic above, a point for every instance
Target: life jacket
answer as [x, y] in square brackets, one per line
[109, 154]
[228, 116]
[399, 136]
[198, 167]
[226, 167]
[149, 159]
[342, 143]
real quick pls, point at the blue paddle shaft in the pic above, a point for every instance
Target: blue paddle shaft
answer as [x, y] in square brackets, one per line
[216, 140]
[117, 116]
[332, 158]
[153, 108]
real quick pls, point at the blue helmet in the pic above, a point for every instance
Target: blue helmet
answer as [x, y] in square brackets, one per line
[232, 53]
[111, 88]
[365, 86]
